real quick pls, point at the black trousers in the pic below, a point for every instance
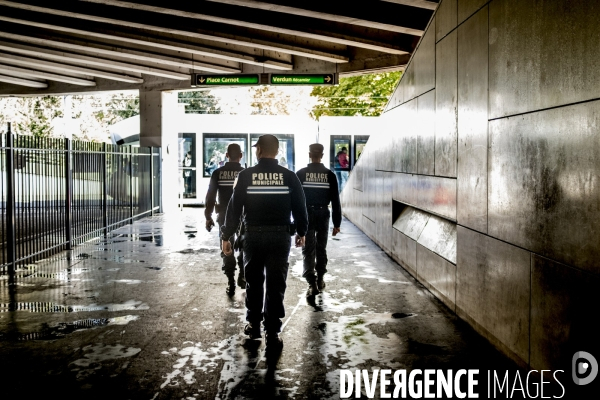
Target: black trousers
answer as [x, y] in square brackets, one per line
[315, 246]
[266, 267]
[229, 261]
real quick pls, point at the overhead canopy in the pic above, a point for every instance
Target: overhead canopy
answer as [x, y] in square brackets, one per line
[69, 46]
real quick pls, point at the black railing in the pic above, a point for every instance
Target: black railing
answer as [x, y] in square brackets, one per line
[57, 193]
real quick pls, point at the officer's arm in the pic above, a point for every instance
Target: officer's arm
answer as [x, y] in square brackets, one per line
[211, 196]
[298, 206]
[234, 208]
[336, 206]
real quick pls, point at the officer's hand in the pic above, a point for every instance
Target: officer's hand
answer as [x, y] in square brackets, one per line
[227, 250]
[209, 224]
[335, 231]
[299, 241]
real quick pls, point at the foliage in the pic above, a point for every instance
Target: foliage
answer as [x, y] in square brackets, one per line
[118, 108]
[199, 102]
[356, 95]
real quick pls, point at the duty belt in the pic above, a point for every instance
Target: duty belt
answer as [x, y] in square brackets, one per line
[317, 207]
[267, 228]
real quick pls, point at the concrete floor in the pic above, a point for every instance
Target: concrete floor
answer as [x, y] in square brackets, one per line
[144, 314]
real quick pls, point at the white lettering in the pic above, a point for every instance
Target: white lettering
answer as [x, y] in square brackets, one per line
[563, 388]
[444, 383]
[517, 379]
[427, 384]
[370, 385]
[417, 394]
[345, 391]
[542, 384]
[535, 385]
[357, 384]
[384, 383]
[459, 394]
[472, 383]
[400, 384]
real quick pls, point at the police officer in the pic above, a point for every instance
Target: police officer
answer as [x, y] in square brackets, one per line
[320, 188]
[221, 183]
[265, 195]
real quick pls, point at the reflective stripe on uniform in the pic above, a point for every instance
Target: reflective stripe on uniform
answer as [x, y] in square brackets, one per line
[268, 190]
[316, 185]
[226, 182]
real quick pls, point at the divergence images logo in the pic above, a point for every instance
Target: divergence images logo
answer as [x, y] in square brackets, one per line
[585, 368]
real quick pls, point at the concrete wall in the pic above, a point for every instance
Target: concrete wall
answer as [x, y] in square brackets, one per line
[484, 179]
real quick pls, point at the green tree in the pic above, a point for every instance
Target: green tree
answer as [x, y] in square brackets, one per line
[198, 102]
[356, 95]
[35, 115]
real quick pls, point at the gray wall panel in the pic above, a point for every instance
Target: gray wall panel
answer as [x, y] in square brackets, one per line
[542, 54]
[426, 133]
[405, 188]
[408, 81]
[438, 195]
[369, 186]
[437, 274]
[466, 8]
[545, 183]
[473, 121]
[405, 252]
[446, 103]
[386, 223]
[493, 289]
[563, 302]
[445, 18]
[424, 61]
[411, 222]
[406, 152]
[439, 236]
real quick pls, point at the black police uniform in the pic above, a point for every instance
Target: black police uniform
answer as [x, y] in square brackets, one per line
[221, 183]
[265, 195]
[320, 188]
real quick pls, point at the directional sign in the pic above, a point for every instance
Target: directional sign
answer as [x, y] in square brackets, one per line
[305, 79]
[226, 80]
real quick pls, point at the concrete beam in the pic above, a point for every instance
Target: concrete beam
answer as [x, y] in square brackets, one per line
[427, 4]
[66, 68]
[320, 15]
[26, 73]
[329, 37]
[89, 60]
[23, 82]
[191, 48]
[220, 38]
[113, 51]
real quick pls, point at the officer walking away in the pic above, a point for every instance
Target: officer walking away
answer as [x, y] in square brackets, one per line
[320, 188]
[265, 195]
[221, 183]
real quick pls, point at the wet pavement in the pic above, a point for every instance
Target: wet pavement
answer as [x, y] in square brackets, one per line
[143, 314]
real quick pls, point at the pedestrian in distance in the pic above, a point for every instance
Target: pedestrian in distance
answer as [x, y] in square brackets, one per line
[265, 196]
[320, 189]
[221, 184]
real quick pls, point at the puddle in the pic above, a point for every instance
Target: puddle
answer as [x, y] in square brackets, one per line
[62, 329]
[198, 251]
[39, 307]
[128, 281]
[100, 353]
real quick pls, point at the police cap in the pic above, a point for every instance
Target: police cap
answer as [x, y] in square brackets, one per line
[316, 148]
[268, 143]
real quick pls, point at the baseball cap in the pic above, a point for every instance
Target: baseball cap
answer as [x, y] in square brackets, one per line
[268, 143]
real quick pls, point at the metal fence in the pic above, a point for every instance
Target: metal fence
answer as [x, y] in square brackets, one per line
[57, 193]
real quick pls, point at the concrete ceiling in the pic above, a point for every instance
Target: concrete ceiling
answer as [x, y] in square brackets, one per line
[71, 46]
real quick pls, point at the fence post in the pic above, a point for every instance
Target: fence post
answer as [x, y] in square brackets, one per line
[68, 194]
[11, 249]
[104, 191]
[130, 184]
[151, 181]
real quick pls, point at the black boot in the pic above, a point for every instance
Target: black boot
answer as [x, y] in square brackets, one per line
[320, 283]
[312, 290]
[230, 286]
[241, 281]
